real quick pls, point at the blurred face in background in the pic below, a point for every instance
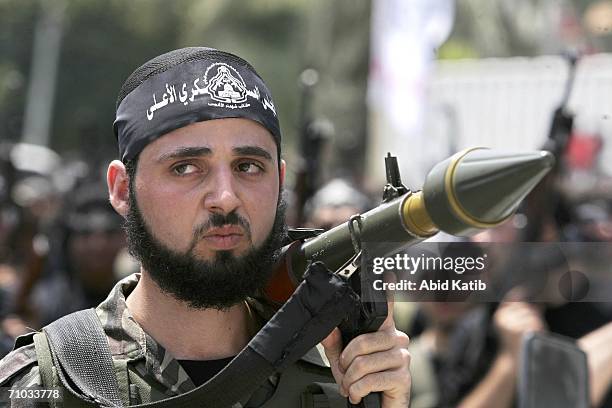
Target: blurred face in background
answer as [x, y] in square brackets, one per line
[92, 256]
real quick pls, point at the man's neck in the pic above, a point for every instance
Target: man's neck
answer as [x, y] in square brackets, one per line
[188, 333]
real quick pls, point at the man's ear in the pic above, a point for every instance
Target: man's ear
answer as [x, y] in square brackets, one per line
[281, 172]
[118, 187]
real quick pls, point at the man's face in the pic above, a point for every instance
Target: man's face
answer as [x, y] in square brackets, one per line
[212, 167]
[203, 205]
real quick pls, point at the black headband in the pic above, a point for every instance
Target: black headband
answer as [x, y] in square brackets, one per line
[213, 86]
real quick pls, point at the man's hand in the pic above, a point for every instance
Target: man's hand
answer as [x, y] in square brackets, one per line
[372, 362]
[512, 321]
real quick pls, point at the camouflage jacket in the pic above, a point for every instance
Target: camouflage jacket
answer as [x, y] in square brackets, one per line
[145, 357]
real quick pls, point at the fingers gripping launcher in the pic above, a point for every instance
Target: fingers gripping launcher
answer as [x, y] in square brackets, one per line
[368, 316]
[371, 314]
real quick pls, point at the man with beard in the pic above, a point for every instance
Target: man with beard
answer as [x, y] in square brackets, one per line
[199, 184]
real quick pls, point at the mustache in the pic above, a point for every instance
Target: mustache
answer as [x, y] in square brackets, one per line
[218, 220]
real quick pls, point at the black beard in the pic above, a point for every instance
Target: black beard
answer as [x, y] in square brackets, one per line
[220, 283]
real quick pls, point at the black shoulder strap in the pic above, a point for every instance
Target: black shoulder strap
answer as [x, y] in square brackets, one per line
[317, 306]
[84, 359]
[24, 340]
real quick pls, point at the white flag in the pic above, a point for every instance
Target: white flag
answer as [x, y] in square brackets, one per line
[404, 37]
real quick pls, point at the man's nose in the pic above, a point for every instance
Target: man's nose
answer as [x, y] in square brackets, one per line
[221, 195]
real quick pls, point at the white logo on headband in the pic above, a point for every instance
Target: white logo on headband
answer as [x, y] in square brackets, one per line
[223, 86]
[223, 83]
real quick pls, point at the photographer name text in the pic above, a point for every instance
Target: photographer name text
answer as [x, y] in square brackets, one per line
[430, 285]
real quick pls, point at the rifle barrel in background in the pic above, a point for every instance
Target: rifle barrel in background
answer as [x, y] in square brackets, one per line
[314, 134]
[563, 119]
[542, 202]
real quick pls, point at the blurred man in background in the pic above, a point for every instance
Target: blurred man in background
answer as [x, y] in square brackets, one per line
[82, 258]
[335, 203]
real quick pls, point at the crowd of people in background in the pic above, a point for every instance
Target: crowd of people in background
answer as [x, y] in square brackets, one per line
[62, 248]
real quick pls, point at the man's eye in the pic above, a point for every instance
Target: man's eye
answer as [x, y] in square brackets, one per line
[184, 169]
[249, 167]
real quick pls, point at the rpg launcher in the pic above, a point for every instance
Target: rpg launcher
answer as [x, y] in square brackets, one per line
[473, 190]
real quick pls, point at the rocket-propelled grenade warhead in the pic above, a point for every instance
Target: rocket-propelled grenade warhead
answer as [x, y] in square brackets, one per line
[471, 191]
[478, 189]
